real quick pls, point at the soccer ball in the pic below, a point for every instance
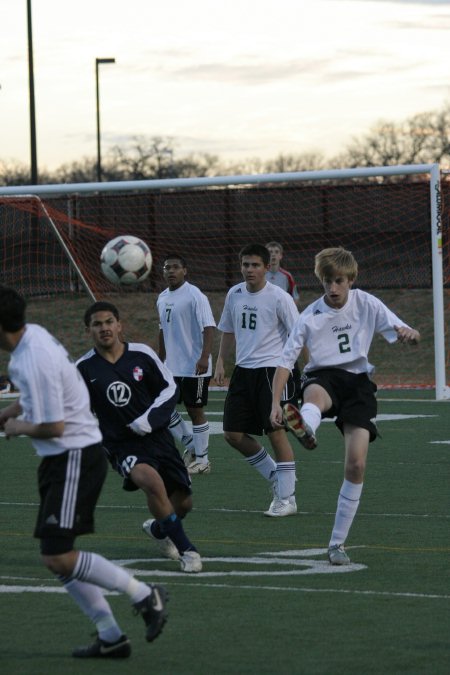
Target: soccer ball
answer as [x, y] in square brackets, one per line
[126, 260]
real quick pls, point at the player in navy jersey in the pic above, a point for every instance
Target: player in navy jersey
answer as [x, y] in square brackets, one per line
[133, 395]
[54, 411]
[338, 329]
[256, 320]
[186, 335]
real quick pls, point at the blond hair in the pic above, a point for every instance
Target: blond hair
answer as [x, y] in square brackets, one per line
[334, 261]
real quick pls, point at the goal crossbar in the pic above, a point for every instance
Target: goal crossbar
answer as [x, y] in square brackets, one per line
[432, 170]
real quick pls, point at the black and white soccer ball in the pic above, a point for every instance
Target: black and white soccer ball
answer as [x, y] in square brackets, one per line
[126, 260]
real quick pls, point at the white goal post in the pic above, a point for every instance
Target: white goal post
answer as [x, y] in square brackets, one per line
[431, 170]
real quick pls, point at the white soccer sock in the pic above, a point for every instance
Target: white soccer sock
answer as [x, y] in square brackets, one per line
[285, 477]
[97, 570]
[92, 602]
[180, 431]
[347, 507]
[311, 415]
[263, 463]
[201, 441]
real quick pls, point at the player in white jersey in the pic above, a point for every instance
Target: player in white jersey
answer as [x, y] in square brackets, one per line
[278, 275]
[338, 329]
[54, 411]
[257, 318]
[185, 341]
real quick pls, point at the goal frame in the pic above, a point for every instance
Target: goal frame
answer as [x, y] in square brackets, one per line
[442, 391]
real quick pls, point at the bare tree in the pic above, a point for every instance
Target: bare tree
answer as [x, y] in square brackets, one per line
[13, 172]
[422, 139]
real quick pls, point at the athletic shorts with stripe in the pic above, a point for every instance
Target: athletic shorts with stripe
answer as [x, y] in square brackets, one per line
[249, 400]
[69, 487]
[352, 395]
[193, 391]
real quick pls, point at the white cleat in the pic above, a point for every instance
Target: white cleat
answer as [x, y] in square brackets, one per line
[188, 458]
[199, 468]
[282, 507]
[191, 562]
[166, 546]
[337, 555]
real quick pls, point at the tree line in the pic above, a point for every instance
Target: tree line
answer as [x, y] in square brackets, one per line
[421, 139]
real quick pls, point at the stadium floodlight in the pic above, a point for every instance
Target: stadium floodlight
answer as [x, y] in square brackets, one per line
[97, 98]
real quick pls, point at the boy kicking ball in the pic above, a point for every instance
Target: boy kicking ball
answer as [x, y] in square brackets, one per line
[338, 329]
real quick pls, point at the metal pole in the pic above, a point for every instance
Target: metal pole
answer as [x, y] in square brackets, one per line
[34, 172]
[97, 99]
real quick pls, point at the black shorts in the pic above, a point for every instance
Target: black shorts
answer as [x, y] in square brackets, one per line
[193, 391]
[249, 400]
[69, 487]
[157, 450]
[352, 395]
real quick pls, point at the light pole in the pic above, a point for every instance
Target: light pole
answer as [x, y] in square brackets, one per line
[99, 157]
[34, 170]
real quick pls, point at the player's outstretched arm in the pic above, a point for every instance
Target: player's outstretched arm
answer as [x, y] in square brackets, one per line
[407, 335]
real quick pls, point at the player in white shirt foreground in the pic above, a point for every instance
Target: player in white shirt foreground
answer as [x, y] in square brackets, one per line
[54, 411]
[256, 319]
[185, 341]
[338, 329]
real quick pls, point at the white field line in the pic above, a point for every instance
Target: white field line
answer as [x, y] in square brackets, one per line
[132, 507]
[238, 587]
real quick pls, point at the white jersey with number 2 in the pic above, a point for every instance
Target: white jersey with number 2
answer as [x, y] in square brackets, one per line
[340, 338]
[261, 323]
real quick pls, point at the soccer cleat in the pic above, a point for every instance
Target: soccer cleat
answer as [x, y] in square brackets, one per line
[166, 545]
[282, 507]
[191, 562]
[153, 611]
[188, 458]
[337, 555]
[294, 422]
[106, 650]
[199, 468]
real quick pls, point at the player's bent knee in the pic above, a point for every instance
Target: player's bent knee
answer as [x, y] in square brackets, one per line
[63, 564]
[355, 472]
[233, 438]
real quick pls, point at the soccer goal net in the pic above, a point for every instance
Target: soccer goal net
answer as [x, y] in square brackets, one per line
[391, 218]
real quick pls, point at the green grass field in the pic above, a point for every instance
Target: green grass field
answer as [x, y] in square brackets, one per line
[267, 601]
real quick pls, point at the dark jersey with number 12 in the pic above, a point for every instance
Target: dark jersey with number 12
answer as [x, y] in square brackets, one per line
[134, 396]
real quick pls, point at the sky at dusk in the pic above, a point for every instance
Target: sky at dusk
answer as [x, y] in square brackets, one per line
[240, 79]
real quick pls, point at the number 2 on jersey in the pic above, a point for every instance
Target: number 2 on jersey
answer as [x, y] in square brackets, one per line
[344, 343]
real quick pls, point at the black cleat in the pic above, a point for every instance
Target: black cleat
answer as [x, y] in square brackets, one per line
[153, 611]
[105, 650]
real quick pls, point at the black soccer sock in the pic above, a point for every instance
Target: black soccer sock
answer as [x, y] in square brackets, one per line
[172, 527]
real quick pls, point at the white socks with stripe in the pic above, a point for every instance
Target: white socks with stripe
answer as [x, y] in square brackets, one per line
[263, 463]
[180, 431]
[201, 441]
